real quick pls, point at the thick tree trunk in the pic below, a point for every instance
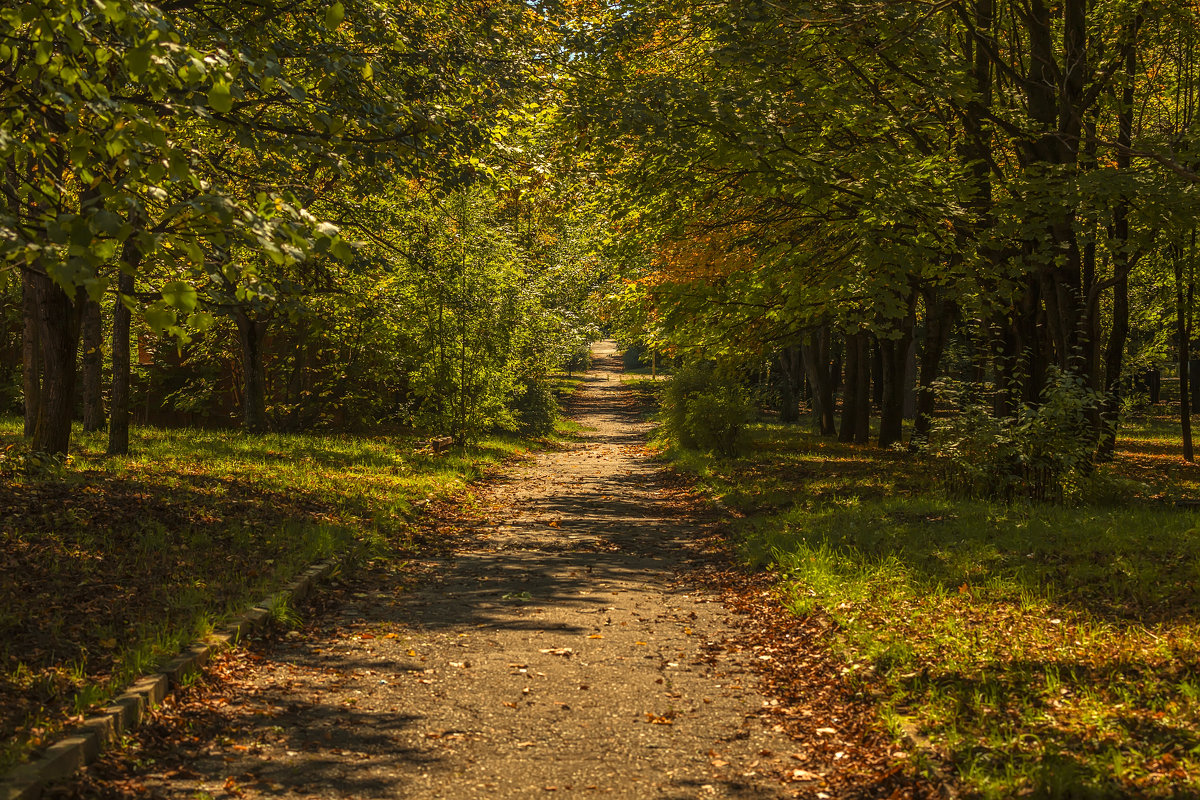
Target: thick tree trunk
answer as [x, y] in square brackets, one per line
[815, 352]
[58, 328]
[31, 355]
[93, 366]
[254, 395]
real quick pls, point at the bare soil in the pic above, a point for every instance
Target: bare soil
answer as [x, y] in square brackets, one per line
[562, 645]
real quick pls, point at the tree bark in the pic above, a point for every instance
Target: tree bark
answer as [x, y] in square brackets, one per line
[939, 317]
[815, 353]
[1114, 354]
[895, 363]
[862, 422]
[31, 355]
[254, 396]
[792, 370]
[852, 399]
[93, 366]
[1183, 303]
[58, 318]
[118, 425]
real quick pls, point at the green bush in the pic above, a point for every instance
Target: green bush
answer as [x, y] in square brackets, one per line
[534, 408]
[702, 410]
[1046, 452]
[580, 359]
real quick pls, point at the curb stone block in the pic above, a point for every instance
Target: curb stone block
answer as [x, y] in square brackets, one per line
[22, 784]
[152, 687]
[187, 663]
[102, 729]
[131, 707]
[62, 759]
[256, 617]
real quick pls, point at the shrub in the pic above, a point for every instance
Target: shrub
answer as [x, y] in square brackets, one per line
[534, 408]
[580, 359]
[1046, 452]
[704, 411]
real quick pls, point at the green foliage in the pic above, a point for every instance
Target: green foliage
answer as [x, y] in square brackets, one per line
[18, 463]
[705, 410]
[1044, 453]
[535, 408]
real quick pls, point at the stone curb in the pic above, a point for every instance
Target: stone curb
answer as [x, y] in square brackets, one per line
[125, 713]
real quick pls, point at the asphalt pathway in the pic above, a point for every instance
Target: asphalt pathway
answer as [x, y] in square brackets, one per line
[557, 650]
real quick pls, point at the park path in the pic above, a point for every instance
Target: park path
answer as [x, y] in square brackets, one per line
[558, 649]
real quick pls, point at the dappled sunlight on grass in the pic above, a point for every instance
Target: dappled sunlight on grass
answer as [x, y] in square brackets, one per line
[1037, 648]
[109, 565]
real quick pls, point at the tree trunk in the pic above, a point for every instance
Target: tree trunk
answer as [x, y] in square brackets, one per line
[876, 373]
[58, 329]
[31, 356]
[118, 425]
[851, 399]
[1114, 354]
[939, 317]
[1182, 335]
[792, 370]
[862, 422]
[254, 396]
[895, 363]
[93, 366]
[815, 353]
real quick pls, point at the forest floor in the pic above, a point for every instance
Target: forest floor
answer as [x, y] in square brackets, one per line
[575, 627]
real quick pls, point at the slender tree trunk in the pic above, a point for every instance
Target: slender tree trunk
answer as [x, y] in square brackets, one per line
[93, 366]
[31, 353]
[791, 368]
[815, 354]
[876, 373]
[254, 396]
[118, 425]
[851, 398]
[1183, 302]
[58, 329]
[862, 421]
[1114, 355]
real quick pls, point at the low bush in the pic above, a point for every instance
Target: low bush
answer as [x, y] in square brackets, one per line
[1046, 452]
[703, 410]
[535, 408]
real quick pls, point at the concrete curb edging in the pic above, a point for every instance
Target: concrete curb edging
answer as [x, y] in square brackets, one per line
[128, 711]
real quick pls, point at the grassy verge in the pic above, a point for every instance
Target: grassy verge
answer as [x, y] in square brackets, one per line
[1046, 651]
[108, 565]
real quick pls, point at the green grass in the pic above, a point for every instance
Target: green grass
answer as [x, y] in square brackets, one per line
[1038, 649]
[109, 565]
